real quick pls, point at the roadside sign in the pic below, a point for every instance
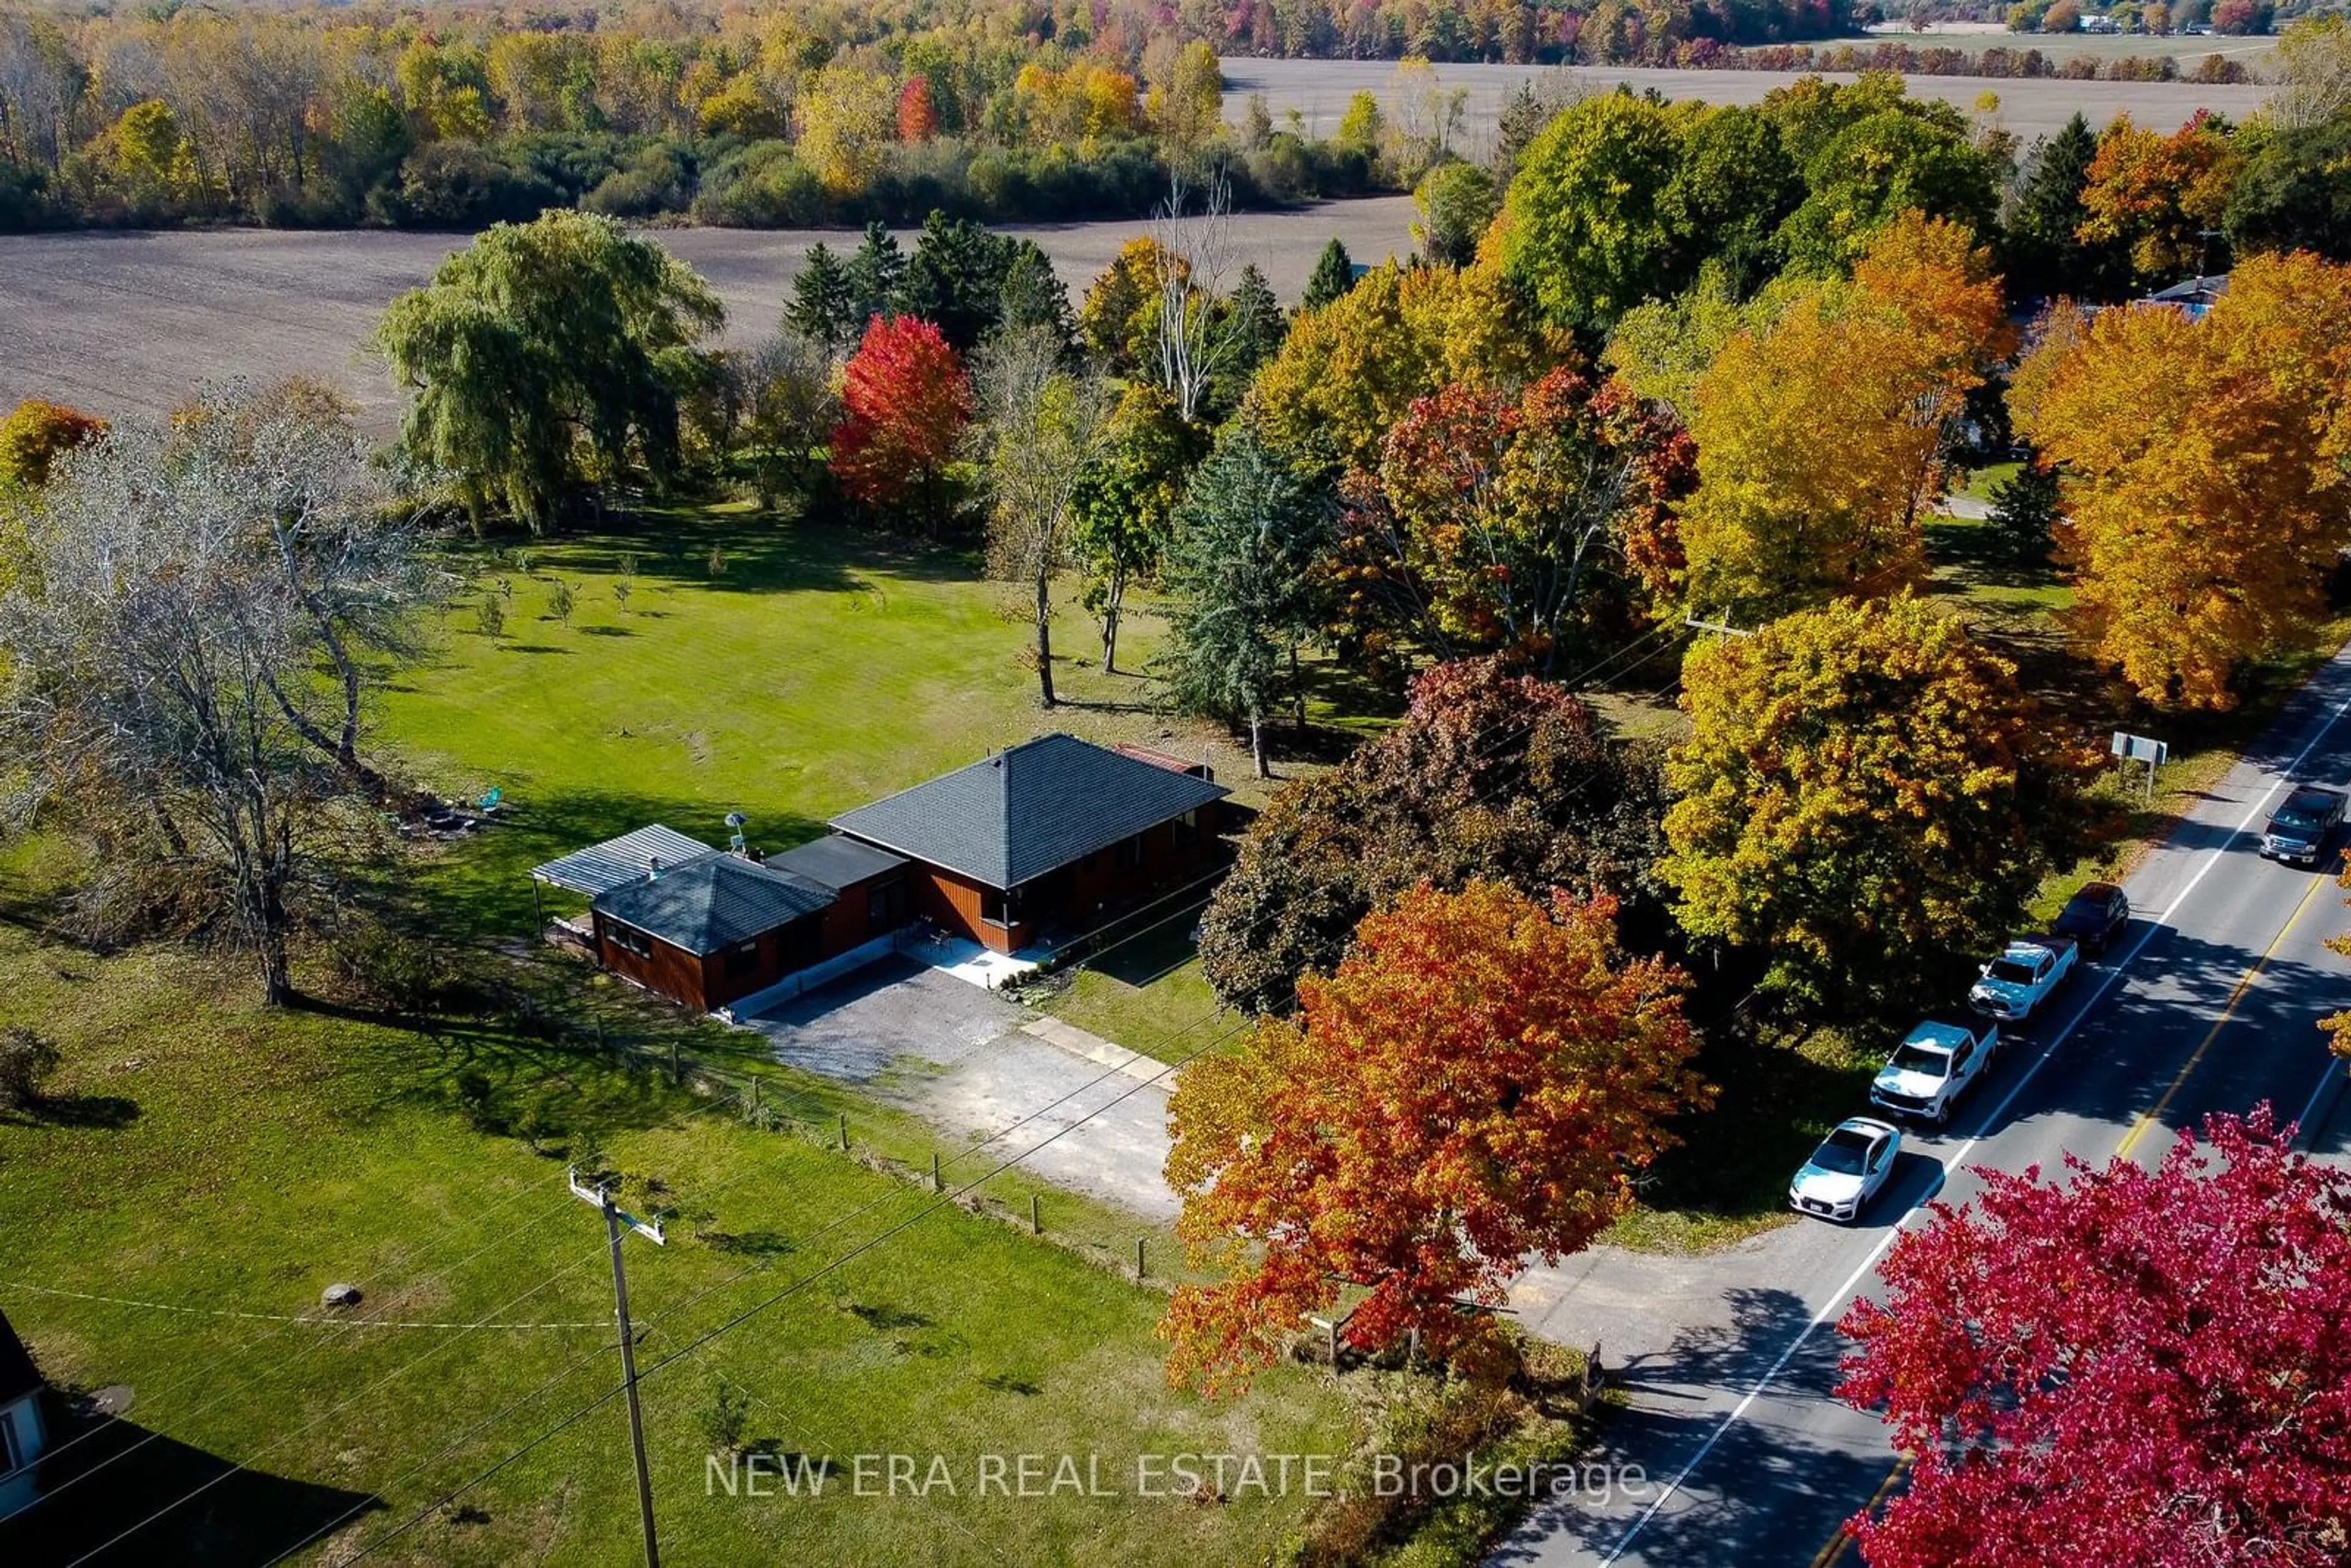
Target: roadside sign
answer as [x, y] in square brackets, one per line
[2142, 748]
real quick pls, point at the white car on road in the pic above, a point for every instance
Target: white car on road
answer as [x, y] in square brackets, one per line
[1939, 1062]
[1845, 1172]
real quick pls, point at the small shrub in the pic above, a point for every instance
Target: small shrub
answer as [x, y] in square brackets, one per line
[725, 1417]
[560, 601]
[717, 563]
[26, 1060]
[490, 616]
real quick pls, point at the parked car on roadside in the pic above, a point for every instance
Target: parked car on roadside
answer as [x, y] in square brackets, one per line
[2026, 974]
[1936, 1064]
[2094, 916]
[2299, 831]
[1845, 1172]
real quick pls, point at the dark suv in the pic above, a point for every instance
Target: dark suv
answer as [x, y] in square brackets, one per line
[2094, 916]
[2299, 831]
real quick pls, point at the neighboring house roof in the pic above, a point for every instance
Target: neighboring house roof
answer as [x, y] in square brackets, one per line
[617, 862]
[715, 902]
[1034, 807]
[835, 862]
[18, 1375]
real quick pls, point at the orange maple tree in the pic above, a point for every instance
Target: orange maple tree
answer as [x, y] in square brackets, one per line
[2205, 483]
[1821, 440]
[904, 401]
[2159, 194]
[1474, 1083]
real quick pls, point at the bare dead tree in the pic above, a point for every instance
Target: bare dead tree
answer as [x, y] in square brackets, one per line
[203, 614]
[1192, 251]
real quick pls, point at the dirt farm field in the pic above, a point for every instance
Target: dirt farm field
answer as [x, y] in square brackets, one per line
[130, 323]
[1318, 89]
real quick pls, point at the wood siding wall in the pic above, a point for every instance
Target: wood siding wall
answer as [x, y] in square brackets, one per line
[671, 971]
[1078, 897]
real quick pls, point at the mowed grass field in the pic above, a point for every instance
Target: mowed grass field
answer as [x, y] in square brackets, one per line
[204, 1156]
[208, 1155]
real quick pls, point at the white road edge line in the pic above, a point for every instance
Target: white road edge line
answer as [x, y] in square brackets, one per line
[1958, 1156]
[2333, 1071]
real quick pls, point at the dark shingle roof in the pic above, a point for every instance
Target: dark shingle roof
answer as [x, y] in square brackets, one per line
[835, 862]
[715, 902]
[1010, 817]
[18, 1377]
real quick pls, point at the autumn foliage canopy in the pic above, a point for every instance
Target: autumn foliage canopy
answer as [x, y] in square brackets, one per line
[2136, 1369]
[1475, 1083]
[904, 401]
[2204, 472]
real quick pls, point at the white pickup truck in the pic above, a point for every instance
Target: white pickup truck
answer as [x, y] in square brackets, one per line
[1940, 1060]
[2027, 972]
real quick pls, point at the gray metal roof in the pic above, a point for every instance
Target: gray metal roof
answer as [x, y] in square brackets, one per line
[836, 861]
[1012, 817]
[715, 902]
[616, 863]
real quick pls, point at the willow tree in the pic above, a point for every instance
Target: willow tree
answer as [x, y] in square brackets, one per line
[545, 355]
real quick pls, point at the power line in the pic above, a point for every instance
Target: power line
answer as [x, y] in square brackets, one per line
[694, 1345]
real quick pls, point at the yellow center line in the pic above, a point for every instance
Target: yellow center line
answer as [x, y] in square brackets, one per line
[1834, 1547]
[2155, 1112]
[1828, 1555]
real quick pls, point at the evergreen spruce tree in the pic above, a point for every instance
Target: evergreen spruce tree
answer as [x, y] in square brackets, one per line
[875, 275]
[824, 309]
[1248, 533]
[1334, 274]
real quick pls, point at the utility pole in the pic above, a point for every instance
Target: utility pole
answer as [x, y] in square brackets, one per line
[600, 1197]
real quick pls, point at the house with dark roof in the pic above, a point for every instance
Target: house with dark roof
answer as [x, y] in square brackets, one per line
[1054, 834]
[22, 1434]
[721, 926]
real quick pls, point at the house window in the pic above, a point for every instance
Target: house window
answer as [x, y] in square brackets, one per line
[742, 959]
[12, 1447]
[991, 905]
[1129, 854]
[1184, 829]
[628, 939]
[884, 906]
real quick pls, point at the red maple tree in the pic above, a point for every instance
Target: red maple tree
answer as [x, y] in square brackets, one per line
[1473, 1085]
[904, 401]
[2134, 1368]
[918, 117]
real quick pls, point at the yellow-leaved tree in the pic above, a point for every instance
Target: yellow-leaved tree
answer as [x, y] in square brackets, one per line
[1348, 372]
[2205, 489]
[1867, 796]
[1822, 438]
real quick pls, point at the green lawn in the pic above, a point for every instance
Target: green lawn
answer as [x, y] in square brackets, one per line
[820, 670]
[1148, 995]
[204, 1153]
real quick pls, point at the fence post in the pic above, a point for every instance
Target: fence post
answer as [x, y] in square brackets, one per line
[936, 1184]
[1138, 1259]
[1036, 1225]
[844, 1132]
[676, 1075]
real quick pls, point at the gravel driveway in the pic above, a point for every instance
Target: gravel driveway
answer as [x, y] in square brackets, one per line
[966, 1061]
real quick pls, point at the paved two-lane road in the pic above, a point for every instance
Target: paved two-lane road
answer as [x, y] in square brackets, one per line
[2207, 1003]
